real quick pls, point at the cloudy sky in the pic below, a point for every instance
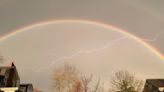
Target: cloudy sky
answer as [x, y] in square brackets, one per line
[143, 18]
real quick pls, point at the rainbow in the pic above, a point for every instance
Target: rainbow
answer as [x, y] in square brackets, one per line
[108, 26]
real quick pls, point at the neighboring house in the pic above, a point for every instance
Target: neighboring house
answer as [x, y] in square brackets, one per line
[9, 78]
[154, 85]
[26, 88]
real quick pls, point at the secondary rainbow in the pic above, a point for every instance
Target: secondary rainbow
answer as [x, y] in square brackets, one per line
[108, 26]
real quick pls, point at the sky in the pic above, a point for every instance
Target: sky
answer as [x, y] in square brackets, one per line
[143, 18]
[92, 48]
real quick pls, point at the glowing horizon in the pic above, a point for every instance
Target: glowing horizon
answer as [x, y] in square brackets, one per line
[108, 26]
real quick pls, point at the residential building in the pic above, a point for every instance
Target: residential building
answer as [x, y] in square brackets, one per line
[9, 80]
[26, 88]
[9, 76]
[154, 85]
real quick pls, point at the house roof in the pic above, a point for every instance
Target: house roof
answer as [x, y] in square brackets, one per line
[156, 82]
[5, 69]
[25, 87]
[25, 84]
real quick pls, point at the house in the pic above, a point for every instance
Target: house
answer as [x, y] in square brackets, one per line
[9, 76]
[26, 88]
[10, 81]
[154, 85]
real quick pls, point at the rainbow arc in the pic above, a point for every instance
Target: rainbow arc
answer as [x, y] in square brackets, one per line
[108, 26]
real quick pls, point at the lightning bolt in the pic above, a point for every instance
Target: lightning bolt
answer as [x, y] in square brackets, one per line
[81, 52]
[93, 51]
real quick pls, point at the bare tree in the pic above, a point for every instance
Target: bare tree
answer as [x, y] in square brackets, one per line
[123, 81]
[86, 80]
[89, 85]
[99, 87]
[65, 77]
[77, 87]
